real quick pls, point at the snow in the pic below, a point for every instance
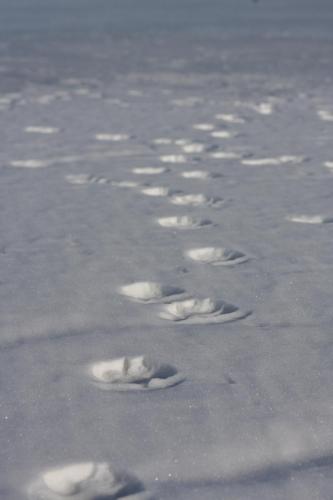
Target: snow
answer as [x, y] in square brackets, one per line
[188, 344]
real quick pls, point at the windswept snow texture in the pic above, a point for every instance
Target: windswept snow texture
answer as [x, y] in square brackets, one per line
[166, 264]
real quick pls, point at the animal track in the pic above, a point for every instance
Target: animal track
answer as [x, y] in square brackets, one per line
[195, 200]
[225, 155]
[83, 179]
[133, 374]
[155, 191]
[201, 311]
[221, 134]
[173, 159]
[183, 222]
[280, 160]
[325, 115]
[112, 137]
[194, 147]
[85, 481]
[229, 118]
[149, 170]
[150, 292]
[125, 184]
[196, 174]
[310, 219]
[29, 163]
[205, 127]
[41, 130]
[217, 256]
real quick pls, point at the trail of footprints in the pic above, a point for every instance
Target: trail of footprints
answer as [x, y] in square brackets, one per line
[93, 480]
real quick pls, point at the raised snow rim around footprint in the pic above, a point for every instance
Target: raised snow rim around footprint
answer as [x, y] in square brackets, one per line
[158, 376]
[233, 257]
[164, 293]
[85, 481]
[216, 316]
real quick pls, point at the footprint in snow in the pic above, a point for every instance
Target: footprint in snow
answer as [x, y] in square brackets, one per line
[155, 191]
[195, 200]
[183, 222]
[151, 292]
[217, 256]
[149, 170]
[201, 311]
[134, 374]
[310, 219]
[173, 159]
[86, 481]
[84, 179]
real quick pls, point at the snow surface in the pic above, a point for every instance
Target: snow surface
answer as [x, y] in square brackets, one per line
[90, 267]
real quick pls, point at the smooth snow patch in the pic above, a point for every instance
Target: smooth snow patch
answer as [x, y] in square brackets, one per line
[149, 170]
[112, 137]
[187, 102]
[195, 200]
[173, 159]
[155, 191]
[134, 373]
[221, 134]
[162, 141]
[41, 130]
[225, 155]
[229, 118]
[194, 147]
[310, 219]
[201, 311]
[30, 163]
[150, 292]
[183, 222]
[280, 160]
[83, 179]
[216, 256]
[84, 481]
[326, 116]
[205, 127]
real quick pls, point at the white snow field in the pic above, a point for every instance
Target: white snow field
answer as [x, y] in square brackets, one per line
[146, 326]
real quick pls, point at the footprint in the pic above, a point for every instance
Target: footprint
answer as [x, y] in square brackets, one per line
[155, 191]
[125, 184]
[326, 116]
[85, 481]
[310, 219]
[280, 160]
[225, 155]
[83, 179]
[205, 127]
[222, 134]
[133, 374]
[162, 141]
[173, 159]
[149, 170]
[183, 222]
[217, 256]
[112, 137]
[194, 147]
[41, 130]
[229, 118]
[150, 292]
[29, 163]
[196, 174]
[195, 200]
[201, 311]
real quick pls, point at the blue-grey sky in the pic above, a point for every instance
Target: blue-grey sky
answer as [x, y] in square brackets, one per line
[150, 15]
